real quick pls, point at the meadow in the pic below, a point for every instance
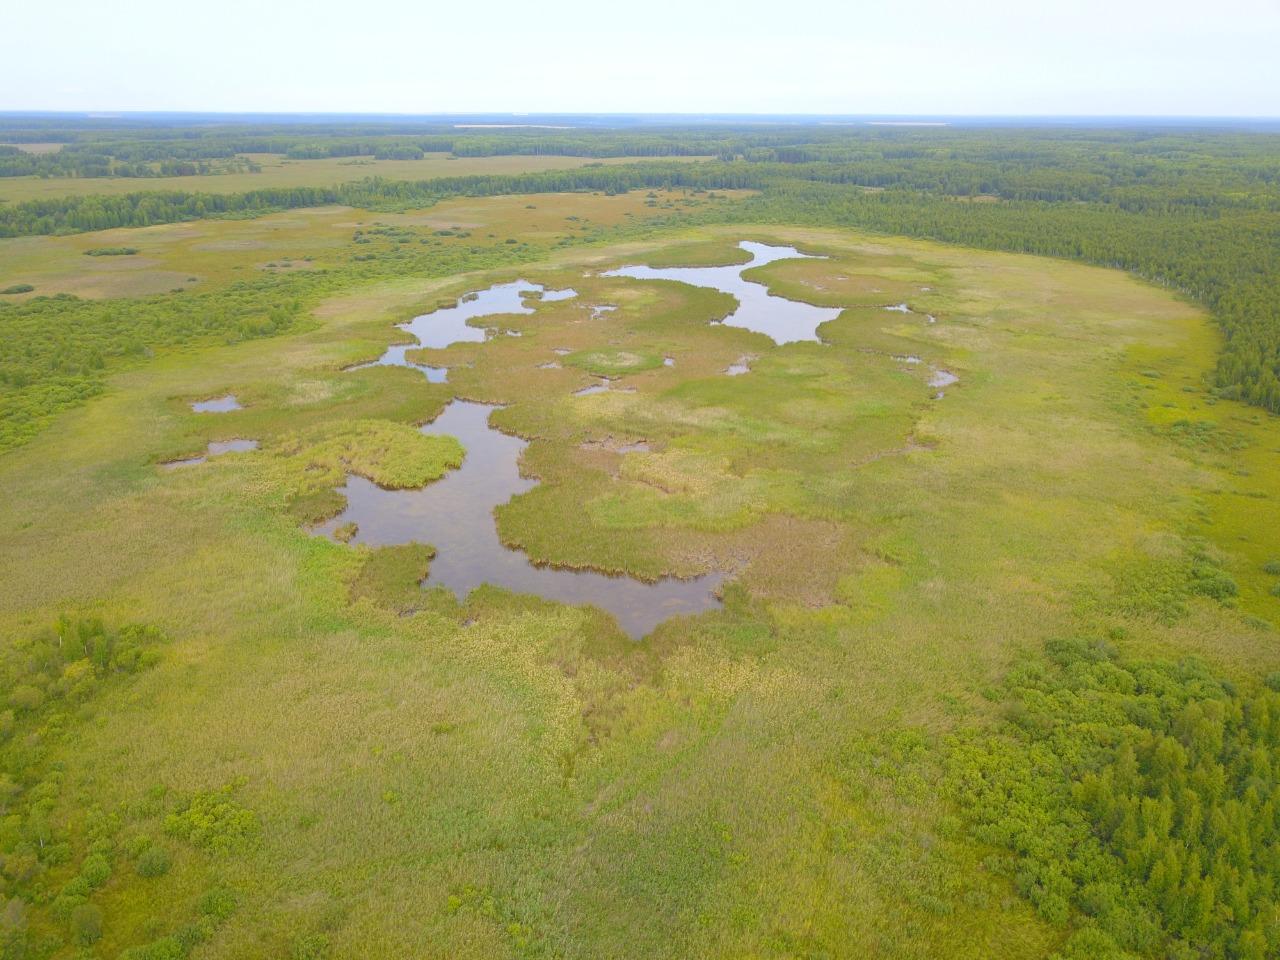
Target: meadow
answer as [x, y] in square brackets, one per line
[303, 754]
[993, 671]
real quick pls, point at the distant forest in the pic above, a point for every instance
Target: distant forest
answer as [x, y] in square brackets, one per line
[1197, 210]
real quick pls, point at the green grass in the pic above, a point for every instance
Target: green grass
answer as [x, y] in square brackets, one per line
[613, 363]
[506, 777]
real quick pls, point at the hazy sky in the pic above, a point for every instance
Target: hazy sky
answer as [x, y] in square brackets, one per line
[822, 56]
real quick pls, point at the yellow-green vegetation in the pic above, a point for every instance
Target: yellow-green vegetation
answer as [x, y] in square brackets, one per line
[212, 253]
[241, 280]
[333, 762]
[613, 362]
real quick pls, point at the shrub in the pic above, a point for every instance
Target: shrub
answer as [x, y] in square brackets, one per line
[1137, 794]
[86, 924]
[314, 946]
[18, 288]
[214, 821]
[218, 904]
[95, 870]
[1272, 567]
[154, 862]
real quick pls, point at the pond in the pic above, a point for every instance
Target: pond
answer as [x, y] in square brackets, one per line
[783, 320]
[448, 325]
[216, 448]
[217, 405]
[455, 515]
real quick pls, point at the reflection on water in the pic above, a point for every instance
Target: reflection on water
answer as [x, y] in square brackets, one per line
[448, 325]
[216, 448]
[217, 405]
[455, 515]
[786, 321]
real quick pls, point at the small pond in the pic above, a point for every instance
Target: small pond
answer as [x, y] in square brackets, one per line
[216, 448]
[217, 405]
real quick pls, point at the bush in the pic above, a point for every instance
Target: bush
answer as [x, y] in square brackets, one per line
[86, 924]
[214, 821]
[95, 870]
[1272, 567]
[18, 288]
[218, 903]
[154, 862]
[1210, 580]
[314, 946]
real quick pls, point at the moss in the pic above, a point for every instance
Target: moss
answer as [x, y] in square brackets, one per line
[392, 577]
[608, 363]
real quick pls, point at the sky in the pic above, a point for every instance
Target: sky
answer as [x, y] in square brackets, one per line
[897, 57]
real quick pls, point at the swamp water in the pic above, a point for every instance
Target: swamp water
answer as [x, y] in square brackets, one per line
[455, 515]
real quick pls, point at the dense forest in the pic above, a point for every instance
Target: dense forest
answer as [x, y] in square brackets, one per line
[1137, 801]
[1198, 211]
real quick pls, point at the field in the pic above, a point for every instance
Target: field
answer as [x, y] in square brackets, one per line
[279, 171]
[205, 254]
[358, 767]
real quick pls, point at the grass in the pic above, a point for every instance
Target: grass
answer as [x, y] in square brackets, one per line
[212, 253]
[506, 777]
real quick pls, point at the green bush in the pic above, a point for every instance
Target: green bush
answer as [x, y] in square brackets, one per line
[214, 821]
[96, 870]
[218, 903]
[154, 862]
[86, 924]
[18, 288]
